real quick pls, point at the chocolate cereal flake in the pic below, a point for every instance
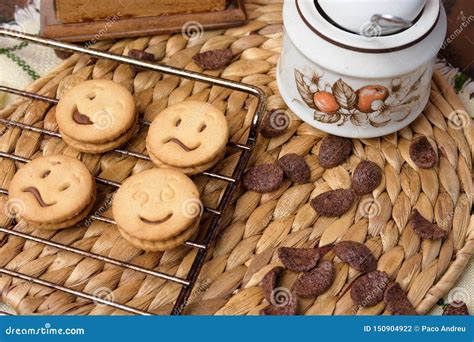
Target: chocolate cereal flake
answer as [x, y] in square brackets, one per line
[263, 178]
[141, 55]
[295, 168]
[424, 228]
[333, 203]
[366, 178]
[269, 283]
[334, 151]
[422, 153]
[274, 123]
[316, 281]
[396, 301]
[357, 255]
[456, 308]
[368, 289]
[299, 259]
[213, 59]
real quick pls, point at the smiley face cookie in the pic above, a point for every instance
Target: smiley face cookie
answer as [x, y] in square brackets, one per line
[97, 116]
[157, 209]
[53, 192]
[190, 136]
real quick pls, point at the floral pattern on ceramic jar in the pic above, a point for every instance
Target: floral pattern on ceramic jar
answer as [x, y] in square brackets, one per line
[372, 104]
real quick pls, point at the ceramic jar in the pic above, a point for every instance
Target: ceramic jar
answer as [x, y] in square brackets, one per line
[357, 85]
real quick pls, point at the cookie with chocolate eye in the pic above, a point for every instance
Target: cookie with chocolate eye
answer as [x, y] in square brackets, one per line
[97, 116]
[51, 192]
[190, 136]
[157, 209]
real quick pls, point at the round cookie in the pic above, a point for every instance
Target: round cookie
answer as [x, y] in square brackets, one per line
[188, 134]
[99, 148]
[154, 246]
[156, 205]
[96, 112]
[53, 192]
[191, 170]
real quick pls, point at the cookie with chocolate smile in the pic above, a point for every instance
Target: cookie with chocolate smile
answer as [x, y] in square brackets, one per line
[97, 116]
[190, 136]
[52, 192]
[157, 209]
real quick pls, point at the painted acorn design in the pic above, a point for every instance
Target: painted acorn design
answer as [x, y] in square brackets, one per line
[325, 102]
[366, 96]
[371, 105]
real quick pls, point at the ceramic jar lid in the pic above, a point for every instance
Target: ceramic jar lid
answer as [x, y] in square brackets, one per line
[347, 52]
[387, 16]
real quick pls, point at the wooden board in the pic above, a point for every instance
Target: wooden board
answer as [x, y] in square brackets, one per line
[116, 27]
[75, 11]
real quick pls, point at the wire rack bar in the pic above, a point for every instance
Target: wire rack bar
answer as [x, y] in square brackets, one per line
[112, 221]
[95, 256]
[98, 179]
[246, 88]
[188, 283]
[76, 293]
[12, 123]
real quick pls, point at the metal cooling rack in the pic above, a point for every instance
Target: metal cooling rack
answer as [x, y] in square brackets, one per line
[188, 282]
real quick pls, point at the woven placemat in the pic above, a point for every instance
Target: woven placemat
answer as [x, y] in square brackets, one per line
[256, 224]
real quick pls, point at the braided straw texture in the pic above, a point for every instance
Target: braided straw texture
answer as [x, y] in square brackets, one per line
[256, 224]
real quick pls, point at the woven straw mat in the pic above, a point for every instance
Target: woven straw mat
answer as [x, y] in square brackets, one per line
[255, 224]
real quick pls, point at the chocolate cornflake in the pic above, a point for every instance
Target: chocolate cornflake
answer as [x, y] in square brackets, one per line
[424, 228]
[323, 250]
[274, 123]
[316, 281]
[295, 168]
[456, 308]
[334, 151]
[357, 255]
[213, 59]
[141, 55]
[396, 301]
[368, 289]
[299, 259]
[422, 153]
[263, 178]
[366, 178]
[333, 203]
[269, 283]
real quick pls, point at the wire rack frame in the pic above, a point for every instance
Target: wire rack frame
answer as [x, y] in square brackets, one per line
[214, 225]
